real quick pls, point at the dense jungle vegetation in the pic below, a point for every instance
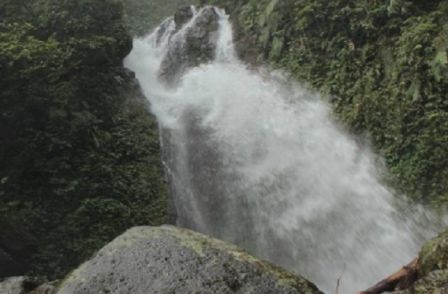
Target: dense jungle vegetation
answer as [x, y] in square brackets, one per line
[383, 63]
[80, 158]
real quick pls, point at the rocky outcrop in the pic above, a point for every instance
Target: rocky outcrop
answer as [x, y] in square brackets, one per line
[434, 254]
[172, 260]
[182, 16]
[436, 282]
[191, 46]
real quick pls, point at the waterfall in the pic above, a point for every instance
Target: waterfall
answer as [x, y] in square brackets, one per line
[255, 159]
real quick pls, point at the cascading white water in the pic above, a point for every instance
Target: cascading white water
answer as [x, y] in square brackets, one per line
[257, 160]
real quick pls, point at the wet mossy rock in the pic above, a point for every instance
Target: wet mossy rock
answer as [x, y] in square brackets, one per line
[384, 62]
[435, 282]
[433, 272]
[434, 255]
[182, 16]
[173, 260]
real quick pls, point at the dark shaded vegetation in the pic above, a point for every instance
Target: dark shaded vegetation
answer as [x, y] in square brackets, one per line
[384, 63]
[80, 158]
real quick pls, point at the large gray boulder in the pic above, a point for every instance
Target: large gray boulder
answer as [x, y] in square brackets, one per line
[168, 259]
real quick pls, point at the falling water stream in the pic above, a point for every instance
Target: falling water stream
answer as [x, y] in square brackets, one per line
[257, 160]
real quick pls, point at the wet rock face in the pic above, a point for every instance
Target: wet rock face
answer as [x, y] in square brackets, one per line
[165, 29]
[172, 260]
[191, 46]
[182, 16]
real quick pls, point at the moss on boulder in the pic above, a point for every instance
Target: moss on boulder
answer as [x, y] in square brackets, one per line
[434, 255]
[435, 282]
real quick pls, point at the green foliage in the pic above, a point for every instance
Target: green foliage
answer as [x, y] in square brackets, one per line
[384, 64]
[80, 154]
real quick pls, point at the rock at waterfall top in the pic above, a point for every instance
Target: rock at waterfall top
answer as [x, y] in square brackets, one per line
[172, 260]
[191, 46]
[182, 16]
